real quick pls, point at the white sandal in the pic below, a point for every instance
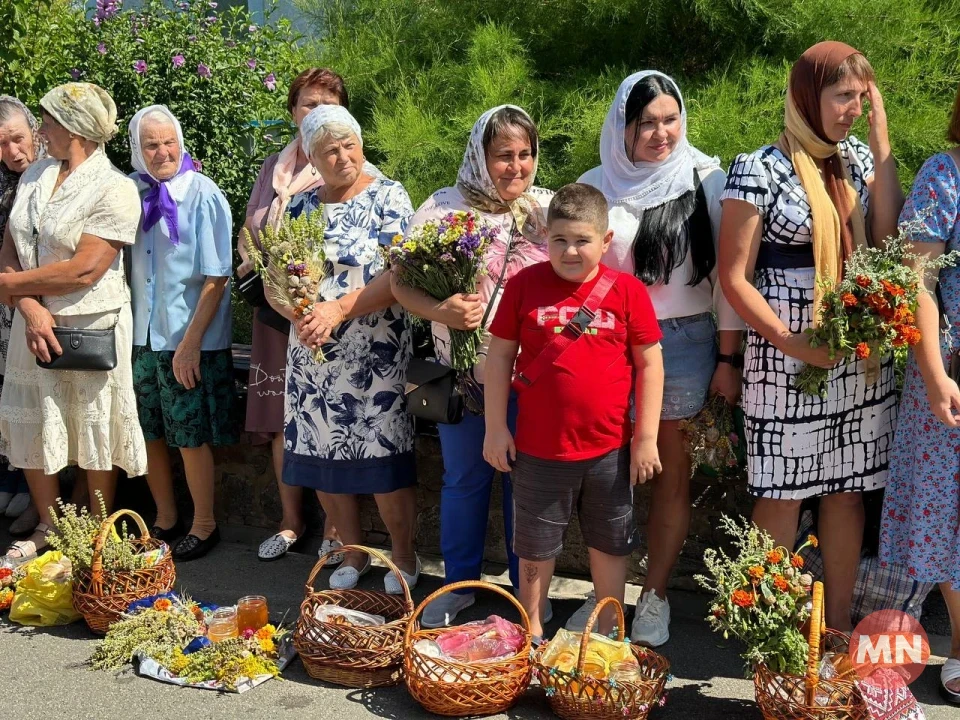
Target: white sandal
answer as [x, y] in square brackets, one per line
[346, 577]
[328, 546]
[948, 673]
[276, 546]
[392, 586]
[28, 549]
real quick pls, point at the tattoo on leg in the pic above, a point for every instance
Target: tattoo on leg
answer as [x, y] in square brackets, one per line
[530, 573]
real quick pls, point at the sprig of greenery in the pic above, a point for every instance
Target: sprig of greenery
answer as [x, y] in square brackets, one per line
[155, 633]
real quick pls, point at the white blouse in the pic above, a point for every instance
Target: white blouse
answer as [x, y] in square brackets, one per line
[95, 199]
[676, 299]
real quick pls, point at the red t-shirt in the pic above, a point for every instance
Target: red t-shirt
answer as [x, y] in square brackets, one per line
[579, 408]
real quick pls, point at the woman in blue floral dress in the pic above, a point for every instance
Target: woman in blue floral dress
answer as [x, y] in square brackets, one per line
[920, 526]
[347, 431]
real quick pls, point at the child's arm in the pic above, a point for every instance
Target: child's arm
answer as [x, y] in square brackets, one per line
[498, 447]
[648, 400]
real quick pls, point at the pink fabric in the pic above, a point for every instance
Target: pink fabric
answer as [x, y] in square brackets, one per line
[286, 183]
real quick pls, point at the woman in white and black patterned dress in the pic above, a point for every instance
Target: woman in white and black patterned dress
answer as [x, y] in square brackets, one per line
[793, 211]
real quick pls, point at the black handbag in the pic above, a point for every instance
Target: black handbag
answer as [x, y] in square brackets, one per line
[433, 392]
[250, 287]
[92, 350]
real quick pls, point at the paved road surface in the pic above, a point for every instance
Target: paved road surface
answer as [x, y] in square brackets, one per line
[44, 674]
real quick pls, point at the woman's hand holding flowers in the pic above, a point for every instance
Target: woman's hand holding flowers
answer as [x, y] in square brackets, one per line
[797, 345]
[315, 328]
[728, 382]
[462, 311]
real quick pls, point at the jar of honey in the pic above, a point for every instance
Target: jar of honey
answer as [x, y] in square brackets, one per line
[223, 625]
[252, 613]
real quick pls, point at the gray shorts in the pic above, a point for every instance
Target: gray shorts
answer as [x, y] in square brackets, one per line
[546, 491]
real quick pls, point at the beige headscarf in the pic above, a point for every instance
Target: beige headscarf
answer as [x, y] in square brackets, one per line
[838, 224]
[84, 109]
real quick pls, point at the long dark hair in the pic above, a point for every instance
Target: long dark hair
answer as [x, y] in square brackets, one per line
[669, 231]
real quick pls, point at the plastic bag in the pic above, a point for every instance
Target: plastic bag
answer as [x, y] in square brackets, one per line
[489, 639]
[603, 654]
[45, 596]
[342, 616]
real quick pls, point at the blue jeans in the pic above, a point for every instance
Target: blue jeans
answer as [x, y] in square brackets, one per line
[465, 499]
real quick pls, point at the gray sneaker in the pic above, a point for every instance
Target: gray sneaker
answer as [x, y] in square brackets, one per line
[651, 624]
[444, 610]
[578, 621]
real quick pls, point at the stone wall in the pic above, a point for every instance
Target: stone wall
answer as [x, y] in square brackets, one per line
[247, 495]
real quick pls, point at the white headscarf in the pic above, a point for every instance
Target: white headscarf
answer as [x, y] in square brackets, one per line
[320, 117]
[178, 184]
[643, 185]
[84, 109]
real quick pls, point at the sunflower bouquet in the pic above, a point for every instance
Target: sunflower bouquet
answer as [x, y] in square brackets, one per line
[760, 597]
[291, 260]
[872, 312]
[442, 258]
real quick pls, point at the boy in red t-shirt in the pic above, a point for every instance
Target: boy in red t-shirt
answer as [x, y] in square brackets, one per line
[575, 443]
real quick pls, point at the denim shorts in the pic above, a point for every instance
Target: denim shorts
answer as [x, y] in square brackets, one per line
[689, 361]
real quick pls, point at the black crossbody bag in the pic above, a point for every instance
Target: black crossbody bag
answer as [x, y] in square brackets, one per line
[90, 350]
[439, 393]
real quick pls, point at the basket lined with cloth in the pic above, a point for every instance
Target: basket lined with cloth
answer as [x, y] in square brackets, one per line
[351, 655]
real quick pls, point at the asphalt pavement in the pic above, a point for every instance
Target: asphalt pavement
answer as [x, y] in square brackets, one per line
[45, 675]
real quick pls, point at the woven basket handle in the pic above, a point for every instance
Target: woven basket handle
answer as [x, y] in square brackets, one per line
[96, 565]
[372, 552]
[463, 585]
[817, 627]
[588, 628]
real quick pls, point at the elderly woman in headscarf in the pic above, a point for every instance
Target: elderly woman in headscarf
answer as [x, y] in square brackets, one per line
[282, 176]
[664, 198]
[347, 428]
[495, 179]
[20, 145]
[182, 364]
[793, 212]
[61, 265]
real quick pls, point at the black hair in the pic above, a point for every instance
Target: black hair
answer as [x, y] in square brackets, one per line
[668, 232]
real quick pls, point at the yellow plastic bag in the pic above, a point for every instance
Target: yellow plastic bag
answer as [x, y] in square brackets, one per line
[45, 596]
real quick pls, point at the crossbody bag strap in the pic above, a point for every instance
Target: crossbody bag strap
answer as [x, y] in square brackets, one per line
[570, 333]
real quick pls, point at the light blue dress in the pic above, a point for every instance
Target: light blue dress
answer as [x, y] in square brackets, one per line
[347, 429]
[166, 279]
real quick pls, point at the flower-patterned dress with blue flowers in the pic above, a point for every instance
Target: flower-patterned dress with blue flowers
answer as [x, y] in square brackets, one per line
[346, 427]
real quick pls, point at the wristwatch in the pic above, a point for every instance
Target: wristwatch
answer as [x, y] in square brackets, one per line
[736, 360]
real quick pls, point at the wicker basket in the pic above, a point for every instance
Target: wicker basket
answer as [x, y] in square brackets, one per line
[102, 596]
[462, 689]
[349, 655]
[575, 697]
[790, 697]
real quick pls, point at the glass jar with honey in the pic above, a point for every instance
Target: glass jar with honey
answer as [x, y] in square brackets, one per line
[252, 613]
[223, 625]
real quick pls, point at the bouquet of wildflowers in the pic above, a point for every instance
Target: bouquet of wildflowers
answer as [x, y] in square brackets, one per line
[760, 597]
[291, 259]
[873, 310]
[442, 258]
[713, 439]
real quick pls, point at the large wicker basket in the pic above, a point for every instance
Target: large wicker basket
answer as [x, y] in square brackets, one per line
[791, 697]
[102, 596]
[462, 689]
[350, 655]
[572, 696]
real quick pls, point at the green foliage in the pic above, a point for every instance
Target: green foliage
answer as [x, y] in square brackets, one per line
[423, 70]
[76, 530]
[155, 633]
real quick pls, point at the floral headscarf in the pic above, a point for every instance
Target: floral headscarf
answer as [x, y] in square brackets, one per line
[84, 109]
[8, 178]
[478, 188]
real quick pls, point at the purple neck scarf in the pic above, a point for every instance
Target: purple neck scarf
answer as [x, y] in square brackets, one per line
[157, 203]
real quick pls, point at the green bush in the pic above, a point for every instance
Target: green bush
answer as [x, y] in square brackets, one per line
[423, 70]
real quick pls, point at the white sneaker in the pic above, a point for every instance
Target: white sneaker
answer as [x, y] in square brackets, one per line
[651, 625]
[18, 503]
[444, 610]
[578, 621]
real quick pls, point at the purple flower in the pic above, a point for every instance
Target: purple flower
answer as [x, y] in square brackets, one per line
[252, 28]
[102, 49]
[210, 20]
[75, 73]
[252, 63]
[203, 71]
[270, 81]
[140, 66]
[197, 165]
[105, 10]
[192, 38]
[178, 61]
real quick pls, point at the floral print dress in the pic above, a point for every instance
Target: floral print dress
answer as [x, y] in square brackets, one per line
[347, 429]
[920, 527]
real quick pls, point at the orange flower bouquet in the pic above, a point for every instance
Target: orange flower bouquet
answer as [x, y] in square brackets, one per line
[872, 311]
[760, 597]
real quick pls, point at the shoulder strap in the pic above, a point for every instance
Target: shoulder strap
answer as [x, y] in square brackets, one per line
[496, 288]
[571, 332]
